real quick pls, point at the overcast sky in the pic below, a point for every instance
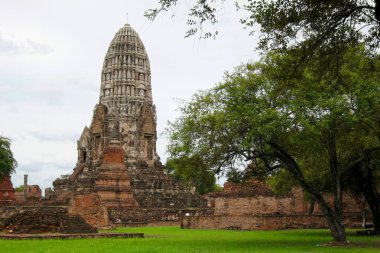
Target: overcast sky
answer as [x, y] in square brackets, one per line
[51, 56]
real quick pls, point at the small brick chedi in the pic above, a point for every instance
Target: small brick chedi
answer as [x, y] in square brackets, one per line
[117, 159]
[7, 193]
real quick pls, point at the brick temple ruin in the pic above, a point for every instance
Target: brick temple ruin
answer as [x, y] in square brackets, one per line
[252, 205]
[117, 159]
[119, 180]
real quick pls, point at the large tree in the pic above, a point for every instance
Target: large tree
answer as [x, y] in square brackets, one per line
[314, 29]
[7, 161]
[293, 119]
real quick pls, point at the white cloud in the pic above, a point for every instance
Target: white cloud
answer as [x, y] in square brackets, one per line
[56, 136]
[28, 46]
[40, 173]
[34, 47]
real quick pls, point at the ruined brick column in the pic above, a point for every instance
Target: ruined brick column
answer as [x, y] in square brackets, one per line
[25, 187]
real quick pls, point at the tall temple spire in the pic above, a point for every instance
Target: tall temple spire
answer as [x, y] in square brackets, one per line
[125, 80]
[125, 110]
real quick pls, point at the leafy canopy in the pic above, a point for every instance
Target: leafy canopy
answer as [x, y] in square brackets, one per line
[301, 109]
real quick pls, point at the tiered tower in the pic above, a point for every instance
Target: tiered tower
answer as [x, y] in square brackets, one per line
[126, 98]
[117, 157]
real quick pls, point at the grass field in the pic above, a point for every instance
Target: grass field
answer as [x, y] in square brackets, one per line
[173, 239]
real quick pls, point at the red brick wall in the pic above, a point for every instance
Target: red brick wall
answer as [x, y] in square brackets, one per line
[263, 222]
[270, 204]
[252, 186]
[253, 205]
[114, 154]
[90, 207]
[236, 201]
[7, 193]
[33, 192]
[350, 203]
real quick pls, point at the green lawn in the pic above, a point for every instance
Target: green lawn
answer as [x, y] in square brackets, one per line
[173, 239]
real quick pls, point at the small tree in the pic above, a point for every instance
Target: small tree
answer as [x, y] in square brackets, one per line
[20, 188]
[193, 172]
[7, 161]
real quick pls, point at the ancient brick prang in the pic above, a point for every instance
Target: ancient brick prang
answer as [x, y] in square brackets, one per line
[117, 157]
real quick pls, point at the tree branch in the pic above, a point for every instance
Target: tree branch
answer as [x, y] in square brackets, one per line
[366, 154]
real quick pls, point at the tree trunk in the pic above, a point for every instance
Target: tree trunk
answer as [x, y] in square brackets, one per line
[336, 226]
[334, 221]
[377, 10]
[363, 178]
[335, 173]
[311, 207]
[373, 201]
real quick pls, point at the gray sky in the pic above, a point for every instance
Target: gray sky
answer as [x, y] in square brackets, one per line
[51, 55]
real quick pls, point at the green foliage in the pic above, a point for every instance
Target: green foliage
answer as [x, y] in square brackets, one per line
[302, 109]
[281, 183]
[63, 177]
[20, 188]
[193, 172]
[288, 24]
[7, 161]
[312, 24]
[217, 188]
[200, 13]
[235, 175]
[174, 240]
